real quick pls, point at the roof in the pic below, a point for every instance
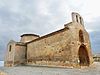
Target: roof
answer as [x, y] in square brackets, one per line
[50, 34]
[29, 35]
[20, 44]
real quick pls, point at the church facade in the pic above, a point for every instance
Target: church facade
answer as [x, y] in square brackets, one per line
[67, 47]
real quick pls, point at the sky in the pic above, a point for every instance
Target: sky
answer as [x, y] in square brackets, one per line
[44, 16]
[1, 63]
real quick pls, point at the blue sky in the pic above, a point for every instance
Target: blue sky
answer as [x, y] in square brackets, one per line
[44, 16]
[1, 63]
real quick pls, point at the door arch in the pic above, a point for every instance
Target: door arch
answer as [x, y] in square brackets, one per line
[83, 56]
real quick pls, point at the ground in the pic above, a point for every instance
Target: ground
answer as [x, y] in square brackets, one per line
[30, 70]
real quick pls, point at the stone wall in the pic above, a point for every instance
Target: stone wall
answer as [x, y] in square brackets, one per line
[59, 48]
[52, 49]
[9, 58]
[15, 54]
[76, 43]
[20, 54]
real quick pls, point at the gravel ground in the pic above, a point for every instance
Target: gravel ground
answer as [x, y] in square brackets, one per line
[28, 70]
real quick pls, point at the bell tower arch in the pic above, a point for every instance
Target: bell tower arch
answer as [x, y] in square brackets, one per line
[77, 18]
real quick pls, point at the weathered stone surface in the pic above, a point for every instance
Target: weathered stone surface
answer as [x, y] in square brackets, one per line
[15, 54]
[67, 47]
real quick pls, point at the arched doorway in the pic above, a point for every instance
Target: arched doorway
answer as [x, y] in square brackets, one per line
[83, 56]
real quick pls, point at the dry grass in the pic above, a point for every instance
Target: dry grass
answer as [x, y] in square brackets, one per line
[2, 73]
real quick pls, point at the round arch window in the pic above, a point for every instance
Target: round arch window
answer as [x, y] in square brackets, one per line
[81, 37]
[10, 48]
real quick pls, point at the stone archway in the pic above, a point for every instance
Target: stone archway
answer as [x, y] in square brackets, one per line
[83, 56]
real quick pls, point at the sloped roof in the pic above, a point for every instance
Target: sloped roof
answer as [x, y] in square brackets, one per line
[29, 35]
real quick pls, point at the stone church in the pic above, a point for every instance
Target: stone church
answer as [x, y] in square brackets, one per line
[67, 47]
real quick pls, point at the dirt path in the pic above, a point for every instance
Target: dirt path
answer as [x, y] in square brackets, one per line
[27, 70]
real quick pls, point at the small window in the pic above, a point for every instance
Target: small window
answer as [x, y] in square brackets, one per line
[10, 48]
[76, 18]
[80, 20]
[81, 37]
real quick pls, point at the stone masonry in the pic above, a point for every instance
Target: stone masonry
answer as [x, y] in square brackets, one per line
[67, 47]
